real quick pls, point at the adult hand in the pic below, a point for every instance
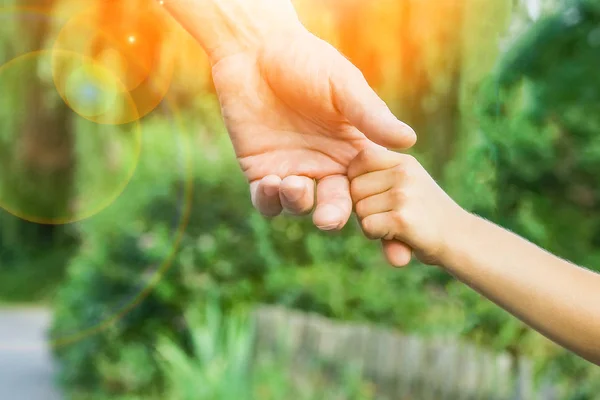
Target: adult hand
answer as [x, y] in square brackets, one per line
[299, 112]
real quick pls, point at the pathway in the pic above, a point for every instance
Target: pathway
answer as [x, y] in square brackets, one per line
[25, 364]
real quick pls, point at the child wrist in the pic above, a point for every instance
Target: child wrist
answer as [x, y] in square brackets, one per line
[455, 236]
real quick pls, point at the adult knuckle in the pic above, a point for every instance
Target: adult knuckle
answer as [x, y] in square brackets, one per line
[366, 156]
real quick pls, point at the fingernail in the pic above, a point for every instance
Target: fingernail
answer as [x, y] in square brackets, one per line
[271, 190]
[293, 195]
[410, 131]
[331, 227]
[329, 218]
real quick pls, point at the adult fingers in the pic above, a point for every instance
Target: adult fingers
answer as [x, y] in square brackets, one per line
[265, 195]
[363, 108]
[297, 195]
[334, 205]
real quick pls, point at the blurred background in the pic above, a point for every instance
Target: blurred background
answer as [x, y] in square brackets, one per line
[125, 219]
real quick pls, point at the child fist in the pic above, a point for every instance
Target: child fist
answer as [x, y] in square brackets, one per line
[398, 201]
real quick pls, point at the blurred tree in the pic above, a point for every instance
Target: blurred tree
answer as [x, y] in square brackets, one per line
[36, 157]
[525, 13]
[45, 140]
[538, 151]
[544, 127]
[431, 75]
[533, 142]
[355, 40]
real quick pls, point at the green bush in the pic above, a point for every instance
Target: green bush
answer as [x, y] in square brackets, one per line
[528, 169]
[33, 259]
[535, 157]
[105, 331]
[224, 365]
[227, 253]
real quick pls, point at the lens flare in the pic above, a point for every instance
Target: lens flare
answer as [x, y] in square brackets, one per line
[128, 45]
[99, 92]
[182, 141]
[91, 91]
[107, 155]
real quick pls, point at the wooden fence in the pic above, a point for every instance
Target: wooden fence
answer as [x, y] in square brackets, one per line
[401, 366]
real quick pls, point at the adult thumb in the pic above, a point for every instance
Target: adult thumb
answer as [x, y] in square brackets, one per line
[366, 111]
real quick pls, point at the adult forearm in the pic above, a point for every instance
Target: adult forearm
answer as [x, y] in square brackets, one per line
[225, 27]
[557, 298]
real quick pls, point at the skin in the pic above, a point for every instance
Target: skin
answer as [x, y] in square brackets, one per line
[396, 199]
[297, 111]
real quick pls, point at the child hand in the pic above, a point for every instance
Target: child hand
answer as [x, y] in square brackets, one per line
[397, 200]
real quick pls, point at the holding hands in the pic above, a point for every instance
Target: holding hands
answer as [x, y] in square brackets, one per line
[297, 111]
[301, 116]
[396, 200]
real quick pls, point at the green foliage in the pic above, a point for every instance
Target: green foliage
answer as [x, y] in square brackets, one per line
[222, 365]
[409, 300]
[545, 132]
[530, 167]
[226, 253]
[535, 158]
[32, 257]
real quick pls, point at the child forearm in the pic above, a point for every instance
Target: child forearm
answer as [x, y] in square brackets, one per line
[555, 297]
[224, 27]
[396, 199]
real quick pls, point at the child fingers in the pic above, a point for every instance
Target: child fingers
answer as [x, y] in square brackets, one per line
[371, 184]
[397, 253]
[373, 159]
[380, 203]
[377, 226]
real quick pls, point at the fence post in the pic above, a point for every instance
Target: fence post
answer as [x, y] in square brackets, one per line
[401, 366]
